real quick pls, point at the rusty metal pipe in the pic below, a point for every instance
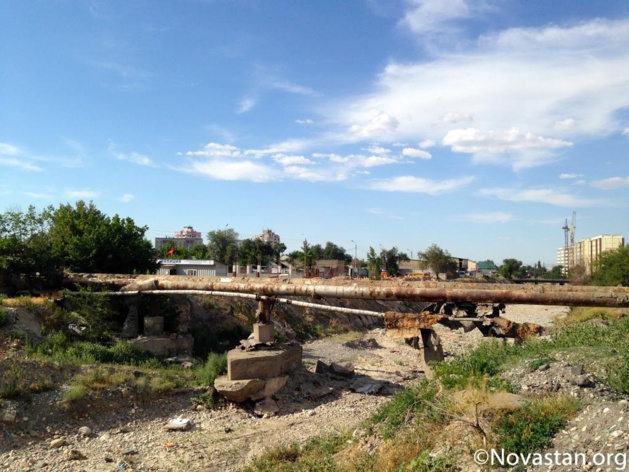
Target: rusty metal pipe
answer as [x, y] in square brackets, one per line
[477, 293]
[566, 295]
[351, 311]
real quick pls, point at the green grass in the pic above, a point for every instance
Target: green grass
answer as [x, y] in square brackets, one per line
[215, 365]
[406, 406]
[531, 427]
[4, 316]
[317, 455]
[58, 347]
[19, 383]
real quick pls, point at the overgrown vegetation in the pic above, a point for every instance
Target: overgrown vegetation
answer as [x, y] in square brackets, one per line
[418, 420]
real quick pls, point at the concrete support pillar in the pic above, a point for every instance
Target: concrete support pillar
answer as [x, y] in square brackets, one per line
[131, 328]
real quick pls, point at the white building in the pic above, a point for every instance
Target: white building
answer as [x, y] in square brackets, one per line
[586, 251]
[191, 267]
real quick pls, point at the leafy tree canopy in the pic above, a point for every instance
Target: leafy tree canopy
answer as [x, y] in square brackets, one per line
[223, 245]
[25, 249]
[438, 260]
[374, 267]
[86, 240]
[391, 259]
[612, 268]
[511, 268]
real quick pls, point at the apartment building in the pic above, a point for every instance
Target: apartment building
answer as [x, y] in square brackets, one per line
[187, 238]
[586, 251]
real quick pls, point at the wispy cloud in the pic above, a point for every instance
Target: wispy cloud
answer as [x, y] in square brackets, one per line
[133, 157]
[419, 153]
[19, 164]
[127, 197]
[220, 169]
[410, 184]
[553, 197]
[81, 194]
[612, 183]
[304, 122]
[490, 217]
[585, 83]
[569, 176]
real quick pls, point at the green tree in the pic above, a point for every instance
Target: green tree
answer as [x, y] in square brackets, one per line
[391, 259]
[25, 249]
[223, 245]
[556, 272]
[334, 252]
[254, 251]
[510, 268]
[86, 240]
[438, 260]
[612, 268]
[374, 267]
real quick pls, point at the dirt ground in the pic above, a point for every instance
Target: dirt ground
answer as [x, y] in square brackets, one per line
[132, 437]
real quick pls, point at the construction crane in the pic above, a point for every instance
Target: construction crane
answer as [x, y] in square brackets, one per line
[569, 241]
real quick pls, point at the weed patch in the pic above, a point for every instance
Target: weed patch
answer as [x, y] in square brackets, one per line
[215, 365]
[531, 427]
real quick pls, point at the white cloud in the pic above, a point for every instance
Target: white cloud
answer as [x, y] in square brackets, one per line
[19, 164]
[412, 184]
[626, 131]
[127, 197]
[419, 153]
[135, 158]
[81, 194]
[569, 176]
[475, 141]
[375, 149]
[611, 183]
[9, 150]
[39, 196]
[379, 124]
[491, 217]
[291, 160]
[304, 122]
[427, 143]
[435, 16]
[304, 173]
[565, 125]
[497, 83]
[217, 150]
[455, 117]
[549, 196]
[245, 105]
[232, 170]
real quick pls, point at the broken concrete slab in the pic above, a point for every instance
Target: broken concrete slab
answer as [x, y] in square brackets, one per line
[263, 364]
[270, 387]
[366, 385]
[238, 390]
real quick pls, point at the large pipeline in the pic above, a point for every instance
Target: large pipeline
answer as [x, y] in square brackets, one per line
[565, 295]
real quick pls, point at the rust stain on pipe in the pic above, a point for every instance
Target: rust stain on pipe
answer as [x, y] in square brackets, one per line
[413, 291]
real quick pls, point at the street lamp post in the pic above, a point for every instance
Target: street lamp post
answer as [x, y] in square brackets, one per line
[355, 256]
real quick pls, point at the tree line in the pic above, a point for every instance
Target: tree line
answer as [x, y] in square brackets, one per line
[37, 247]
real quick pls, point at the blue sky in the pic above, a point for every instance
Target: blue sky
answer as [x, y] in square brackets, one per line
[477, 125]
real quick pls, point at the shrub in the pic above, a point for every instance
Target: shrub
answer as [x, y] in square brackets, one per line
[4, 316]
[531, 427]
[215, 365]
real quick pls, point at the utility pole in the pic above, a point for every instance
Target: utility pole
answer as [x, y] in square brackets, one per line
[355, 257]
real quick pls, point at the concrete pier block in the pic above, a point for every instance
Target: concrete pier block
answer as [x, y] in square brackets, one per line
[264, 333]
[263, 364]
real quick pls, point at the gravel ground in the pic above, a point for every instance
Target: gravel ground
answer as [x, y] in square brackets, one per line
[133, 436]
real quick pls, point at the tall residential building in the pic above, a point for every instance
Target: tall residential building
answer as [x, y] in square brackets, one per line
[269, 237]
[187, 238]
[586, 251]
